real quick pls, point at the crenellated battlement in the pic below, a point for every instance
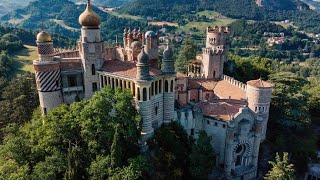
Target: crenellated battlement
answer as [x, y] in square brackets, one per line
[217, 29]
[235, 82]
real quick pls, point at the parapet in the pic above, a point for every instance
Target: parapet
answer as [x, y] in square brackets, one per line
[235, 82]
[213, 51]
[221, 29]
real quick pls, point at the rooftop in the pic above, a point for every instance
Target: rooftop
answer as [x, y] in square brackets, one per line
[125, 68]
[222, 89]
[222, 109]
[259, 83]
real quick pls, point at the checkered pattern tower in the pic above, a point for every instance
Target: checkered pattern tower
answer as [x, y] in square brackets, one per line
[48, 74]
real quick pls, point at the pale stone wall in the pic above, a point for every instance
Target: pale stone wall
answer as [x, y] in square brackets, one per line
[50, 100]
[157, 101]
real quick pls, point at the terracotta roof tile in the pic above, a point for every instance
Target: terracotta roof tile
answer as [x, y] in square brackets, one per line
[259, 83]
[126, 68]
[222, 109]
[222, 89]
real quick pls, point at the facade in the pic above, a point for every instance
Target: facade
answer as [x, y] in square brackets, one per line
[233, 113]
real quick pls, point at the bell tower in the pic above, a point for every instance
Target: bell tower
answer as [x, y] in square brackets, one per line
[91, 47]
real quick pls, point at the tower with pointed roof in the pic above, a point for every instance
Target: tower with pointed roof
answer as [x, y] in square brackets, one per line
[48, 74]
[169, 85]
[91, 47]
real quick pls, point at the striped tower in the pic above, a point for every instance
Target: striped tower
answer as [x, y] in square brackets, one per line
[48, 74]
[169, 85]
[143, 85]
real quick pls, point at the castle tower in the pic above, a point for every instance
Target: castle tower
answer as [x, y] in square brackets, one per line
[151, 47]
[143, 97]
[259, 95]
[48, 74]
[215, 53]
[169, 85]
[91, 48]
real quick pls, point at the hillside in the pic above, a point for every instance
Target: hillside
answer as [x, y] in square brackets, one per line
[60, 16]
[272, 10]
[7, 6]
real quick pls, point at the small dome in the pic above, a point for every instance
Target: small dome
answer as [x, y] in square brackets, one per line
[89, 18]
[136, 45]
[168, 53]
[150, 34]
[43, 37]
[143, 57]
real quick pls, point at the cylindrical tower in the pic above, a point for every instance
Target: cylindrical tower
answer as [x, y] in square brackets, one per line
[143, 99]
[91, 47]
[48, 74]
[125, 34]
[259, 95]
[151, 47]
[169, 85]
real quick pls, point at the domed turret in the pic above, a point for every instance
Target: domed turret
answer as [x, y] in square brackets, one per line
[143, 66]
[136, 45]
[43, 37]
[168, 62]
[89, 18]
[150, 34]
[143, 58]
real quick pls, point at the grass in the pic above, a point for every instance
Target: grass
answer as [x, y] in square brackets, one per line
[126, 16]
[25, 59]
[285, 25]
[218, 20]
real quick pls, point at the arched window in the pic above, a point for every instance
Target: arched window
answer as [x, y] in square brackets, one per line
[145, 98]
[156, 87]
[138, 94]
[166, 86]
[171, 86]
[93, 69]
[156, 110]
[160, 86]
[120, 84]
[152, 88]
[134, 89]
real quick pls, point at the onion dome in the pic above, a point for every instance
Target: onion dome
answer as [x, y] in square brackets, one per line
[136, 45]
[89, 18]
[43, 37]
[143, 57]
[168, 53]
[150, 34]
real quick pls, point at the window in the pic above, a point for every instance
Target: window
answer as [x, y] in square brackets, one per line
[208, 122]
[138, 94]
[152, 87]
[120, 84]
[72, 81]
[94, 87]
[156, 110]
[216, 124]
[145, 98]
[101, 80]
[171, 86]
[45, 111]
[93, 69]
[160, 86]
[57, 83]
[214, 74]
[134, 89]
[192, 132]
[224, 126]
[156, 87]
[166, 86]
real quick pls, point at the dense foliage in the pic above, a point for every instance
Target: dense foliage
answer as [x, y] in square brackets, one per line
[281, 169]
[187, 54]
[77, 141]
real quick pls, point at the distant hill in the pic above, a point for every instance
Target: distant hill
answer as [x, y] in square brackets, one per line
[61, 17]
[7, 6]
[313, 4]
[260, 10]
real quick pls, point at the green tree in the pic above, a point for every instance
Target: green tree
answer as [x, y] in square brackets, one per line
[281, 169]
[186, 54]
[116, 151]
[202, 157]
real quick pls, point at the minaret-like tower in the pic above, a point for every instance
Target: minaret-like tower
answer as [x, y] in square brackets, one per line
[259, 95]
[91, 47]
[48, 74]
[169, 85]
[143, 98]
[152, 48]
[215, 53]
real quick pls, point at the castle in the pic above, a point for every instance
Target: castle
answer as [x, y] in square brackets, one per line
[233, 113]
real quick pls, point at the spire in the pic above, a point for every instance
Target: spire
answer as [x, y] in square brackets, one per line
[89, 18]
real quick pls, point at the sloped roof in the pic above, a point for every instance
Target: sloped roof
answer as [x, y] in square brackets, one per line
[259, 83]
